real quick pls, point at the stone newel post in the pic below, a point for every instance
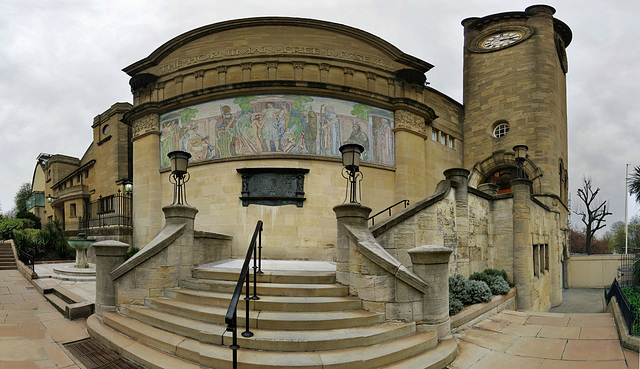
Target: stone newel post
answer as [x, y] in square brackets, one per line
[522, 247]
[347, 254]
[109, 255]
[431, 263]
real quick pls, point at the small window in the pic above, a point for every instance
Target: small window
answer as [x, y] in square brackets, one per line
[72, 210]
[450, 142]
[443, 139]
[434, 135]
[105, 129]
[500, 130]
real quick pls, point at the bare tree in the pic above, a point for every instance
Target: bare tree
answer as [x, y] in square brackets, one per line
[596, 211]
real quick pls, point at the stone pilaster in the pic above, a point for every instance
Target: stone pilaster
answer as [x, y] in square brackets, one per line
[459, 178]
[109, 255]
[410, 133]
[522, 247]
[147, 190]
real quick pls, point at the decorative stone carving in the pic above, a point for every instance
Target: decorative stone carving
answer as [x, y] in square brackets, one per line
[222, 69]
[298, 64]
[325, 67]
[272, 64]
[199, 73]
[147, 124]
[348, 71]
[177, 79]
[371, 76]
[246, 66]
[406, 120]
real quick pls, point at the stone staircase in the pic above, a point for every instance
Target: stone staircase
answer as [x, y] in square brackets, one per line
[302, 320]
[7, 260]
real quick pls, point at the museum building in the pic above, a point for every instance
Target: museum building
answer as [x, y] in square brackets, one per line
[263, 105]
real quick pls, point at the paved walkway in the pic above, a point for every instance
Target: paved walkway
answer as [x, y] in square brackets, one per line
[580, 300]
[529, 340]
[32, 331]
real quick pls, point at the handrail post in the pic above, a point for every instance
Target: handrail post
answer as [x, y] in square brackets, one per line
[247, 332]
[260, 251]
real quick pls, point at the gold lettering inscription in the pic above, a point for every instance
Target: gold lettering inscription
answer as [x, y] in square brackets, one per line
[274, 49]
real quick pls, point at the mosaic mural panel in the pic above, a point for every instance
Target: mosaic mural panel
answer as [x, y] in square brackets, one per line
[277, 124]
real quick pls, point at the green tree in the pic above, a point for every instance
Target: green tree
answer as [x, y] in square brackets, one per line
[615, 236]
[21, 197]
[634, 183]
[361, 111]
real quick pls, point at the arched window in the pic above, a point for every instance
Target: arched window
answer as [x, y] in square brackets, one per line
[500, 129]
[502, 177]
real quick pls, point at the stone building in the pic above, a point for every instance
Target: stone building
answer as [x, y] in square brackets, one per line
[88, 194]
[263, 106]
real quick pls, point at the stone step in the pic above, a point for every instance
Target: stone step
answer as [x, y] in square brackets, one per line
[438, 357]
[267, 276]
[133, 350]
[272, 303]
[216, 356]
[149, 325]
[270, 289]
[269, 319]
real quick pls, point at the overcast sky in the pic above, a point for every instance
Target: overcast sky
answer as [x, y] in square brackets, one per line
[61, 65]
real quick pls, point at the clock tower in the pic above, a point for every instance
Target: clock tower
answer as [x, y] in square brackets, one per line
[515, 94]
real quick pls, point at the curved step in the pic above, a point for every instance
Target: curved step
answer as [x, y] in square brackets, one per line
[267, 276]
[271, 289]
[270, 319]
[438, 357]
[272, 303]
[213, 356]
[148, 326]
[134, 350]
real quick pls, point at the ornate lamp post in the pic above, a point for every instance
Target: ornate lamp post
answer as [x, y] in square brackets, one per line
[351, 171]
[128, 187]
[179, 175]
[521, 156]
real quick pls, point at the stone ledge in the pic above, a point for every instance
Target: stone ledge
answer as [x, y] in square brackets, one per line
[469, 315]
[628, 341]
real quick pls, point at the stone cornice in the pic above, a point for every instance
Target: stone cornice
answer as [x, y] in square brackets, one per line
[177, 42]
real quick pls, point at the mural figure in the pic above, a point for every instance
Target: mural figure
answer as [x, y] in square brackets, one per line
[359, 137]
[384, 142]
[286, 124]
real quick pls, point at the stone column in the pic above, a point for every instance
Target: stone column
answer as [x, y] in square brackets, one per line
[431, 263]
[410, 135]
[522, 247]
[348, 257]
[183, 255]
[147, 181]
[460, 179]
[109, 255]
[489, 188]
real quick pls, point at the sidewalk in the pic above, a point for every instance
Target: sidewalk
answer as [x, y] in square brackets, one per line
[31, 330]
[524, 340]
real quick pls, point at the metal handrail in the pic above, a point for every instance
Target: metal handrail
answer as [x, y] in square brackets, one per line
[373, 222]
[628, 313]
[26, 259]
[231, 318]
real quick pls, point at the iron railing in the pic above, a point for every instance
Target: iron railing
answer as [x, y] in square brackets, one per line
[231, 319]
[27, 259]
[629, 315]
[108, 211]
[372, 218]
[625, 274]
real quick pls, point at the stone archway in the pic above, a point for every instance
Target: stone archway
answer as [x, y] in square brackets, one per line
[500, 168]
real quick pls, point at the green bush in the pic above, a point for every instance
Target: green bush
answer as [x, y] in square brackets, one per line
[480, 277]
[46, 244]
[458, 288]
[633, 295]
[8, 224]
[478, 291]
[501, 273]
[498, 285]
[455, 305]
[132, 251]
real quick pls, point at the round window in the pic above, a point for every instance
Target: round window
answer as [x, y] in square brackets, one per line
[500, 130]
[105, 129]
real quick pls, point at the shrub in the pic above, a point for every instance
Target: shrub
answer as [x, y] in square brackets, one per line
[498, 285]
[480, 277]
[132, 251]
[478, 291]
[455, 305]
[458, 288]
[501, 273]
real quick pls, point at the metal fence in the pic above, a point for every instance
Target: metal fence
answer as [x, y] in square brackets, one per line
[630, 316]
[26, 259]
[114, 210]
[625, 276]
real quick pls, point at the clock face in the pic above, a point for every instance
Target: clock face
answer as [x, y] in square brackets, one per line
[500, 40]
